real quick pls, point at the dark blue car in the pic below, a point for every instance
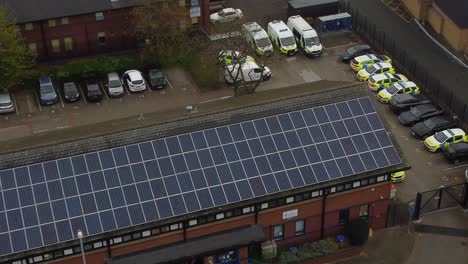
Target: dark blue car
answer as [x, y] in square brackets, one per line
[47, 93]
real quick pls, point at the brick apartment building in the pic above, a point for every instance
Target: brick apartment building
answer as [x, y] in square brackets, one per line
[61, 29]
[448, 18]
[205, 189]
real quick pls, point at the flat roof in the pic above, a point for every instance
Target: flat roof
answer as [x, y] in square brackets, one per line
[307, 3]
[457, 10]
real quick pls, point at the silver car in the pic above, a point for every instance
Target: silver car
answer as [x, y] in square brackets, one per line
[135, 81]
[114, 85]
[6, 103]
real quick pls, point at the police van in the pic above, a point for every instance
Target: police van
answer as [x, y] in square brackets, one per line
[250, 72]
[282, 37]
[306, 38]
[257, 37]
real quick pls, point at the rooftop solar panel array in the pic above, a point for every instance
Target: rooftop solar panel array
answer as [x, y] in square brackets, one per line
[45, 203]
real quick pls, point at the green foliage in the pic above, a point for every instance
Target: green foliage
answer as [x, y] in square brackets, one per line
[16, 60]
[310, 250]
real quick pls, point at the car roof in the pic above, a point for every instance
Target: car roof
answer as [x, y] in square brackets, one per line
[460, 146]
[425, 107]
[382, 76]
[229, 9]
[113, 76]
[134, 74]
[365, 57]
[382, 65]
[454, 132]
[5, 98]
[281, 28]
[407, 84]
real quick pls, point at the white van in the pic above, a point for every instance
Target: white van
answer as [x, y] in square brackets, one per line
[257, 37]
[282, 37]
[305, 36]
[251, 72]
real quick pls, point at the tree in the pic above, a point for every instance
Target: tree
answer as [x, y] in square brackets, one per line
[16, 60]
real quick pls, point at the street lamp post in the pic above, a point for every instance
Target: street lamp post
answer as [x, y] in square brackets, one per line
[79, 234]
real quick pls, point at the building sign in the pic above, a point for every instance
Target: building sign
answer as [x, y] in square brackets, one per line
[290, 214]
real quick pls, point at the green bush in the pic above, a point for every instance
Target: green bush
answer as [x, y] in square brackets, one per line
[310, 250]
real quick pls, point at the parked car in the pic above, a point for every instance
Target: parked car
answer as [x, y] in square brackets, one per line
[380, 67]
[229, 57]
[93, 91]
[354, 51]
[135, 81]
[457, 152]
[441, 140]
[47, 93]
[114, 85]
[156, 79]
[70, 92]
[431, 126]
[366, 60]
[6, 104]
[418, 114]
[380, 81]
[402, 102]
[397, 88]
[226, 15]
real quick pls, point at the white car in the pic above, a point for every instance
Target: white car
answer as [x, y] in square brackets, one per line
[228, 57]
[226, 15]
[135, 81]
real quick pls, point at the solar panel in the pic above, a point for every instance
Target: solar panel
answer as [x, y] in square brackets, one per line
[43, 204]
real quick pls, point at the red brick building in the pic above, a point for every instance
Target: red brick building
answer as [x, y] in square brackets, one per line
[205, 189]
[61, 29]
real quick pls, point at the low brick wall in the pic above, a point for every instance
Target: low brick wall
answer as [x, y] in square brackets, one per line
[339, 255]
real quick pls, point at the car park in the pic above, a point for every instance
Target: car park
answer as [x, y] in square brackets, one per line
[157, 79]
[354, 52]
[114, 85]
[282, 37]
[229, 57]
[397, 88]
[257, 38]
[443, 139]
[363, 61]
[70, 92]
[306, 37]
[226, 15]
[93, 91]
[380, 67]
[398, 176]
[402, 102]
[47, 93]
[380, 81]
[418, 114]
[250, 70]
[431, 126]
[6, 103]
[134, 81]
[457, 152]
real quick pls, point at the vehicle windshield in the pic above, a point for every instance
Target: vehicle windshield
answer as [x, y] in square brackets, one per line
[392, 89]
[69, 88]
[93, 87]
[312, 41]
[263, 42]
[415, 111]
[136, 82]
[441, 137]
[221, 13]
[429, 124]
[352, 50]
[156, 75]
[47, 89]
[370, 69]
[287, 41]
[114, 83]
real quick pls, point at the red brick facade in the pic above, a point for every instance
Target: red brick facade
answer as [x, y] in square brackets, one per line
[375, 197]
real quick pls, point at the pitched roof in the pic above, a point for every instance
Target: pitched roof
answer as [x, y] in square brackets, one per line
[457, 10]
[33, 10]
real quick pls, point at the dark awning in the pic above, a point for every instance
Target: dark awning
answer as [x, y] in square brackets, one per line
[194, 247]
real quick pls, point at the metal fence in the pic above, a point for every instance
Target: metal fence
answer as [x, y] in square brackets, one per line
[444, 197]
[436, 90]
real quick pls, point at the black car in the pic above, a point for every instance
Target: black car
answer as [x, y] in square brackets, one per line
[70, 92]
[93, 91]
[418, 114]
[402, 102]
[431, 126]
[157, 79]
[355, 51]
[456, 152]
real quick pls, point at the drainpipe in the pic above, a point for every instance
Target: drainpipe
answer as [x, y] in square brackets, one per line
[109, 252]
[43, 38]
[257, 211]
[322, 224]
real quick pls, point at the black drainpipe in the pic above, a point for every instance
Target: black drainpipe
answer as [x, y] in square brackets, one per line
[109, 252]
[322, 224]
[257, 211]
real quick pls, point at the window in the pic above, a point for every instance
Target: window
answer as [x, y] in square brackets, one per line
[52, 23]
[300, 227]
[28, 26]
[33, 47]
[343, 216]
[364, 182]
[195, 20]
[68, 44]
[181, 3]
[278, 232]
[65, 21]
[363, 210]
[55, 45]
[99, 16]
[101, 39]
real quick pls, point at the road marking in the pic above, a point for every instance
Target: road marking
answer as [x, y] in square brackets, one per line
[168, 82]
[16, 105]
[220, 98]
[40, 131]
[83, 94]
[60, 98]
[104, 90]
[62, 127]
[340, 46]
[38, 102]
[456, 167]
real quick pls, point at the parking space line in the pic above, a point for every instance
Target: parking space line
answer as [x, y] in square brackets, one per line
[217, 99]
[83, 94]
[127, 90]
[16, 105]
[168, 82]
[456, 167]
[60, 99]
[38, 102]
[340, 46]
[105, 93]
